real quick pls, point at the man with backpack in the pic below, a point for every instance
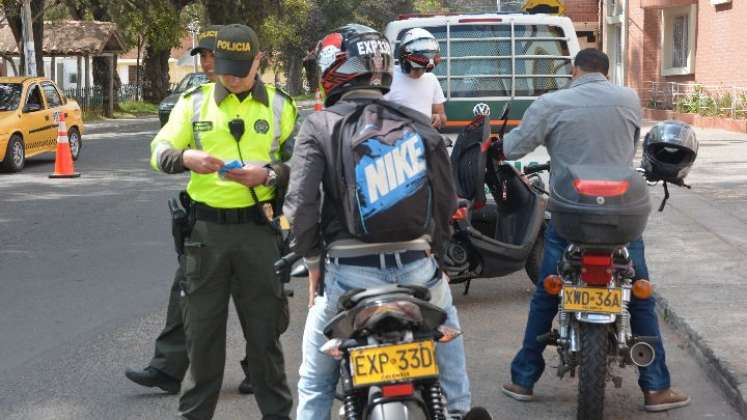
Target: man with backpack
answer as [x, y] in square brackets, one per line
[385, 201]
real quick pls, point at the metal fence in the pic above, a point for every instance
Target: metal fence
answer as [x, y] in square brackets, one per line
[697, 98]
[89, 99]
[92, 99]
[130, 92]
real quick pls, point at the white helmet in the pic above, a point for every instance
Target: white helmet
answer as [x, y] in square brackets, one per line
[418, 49]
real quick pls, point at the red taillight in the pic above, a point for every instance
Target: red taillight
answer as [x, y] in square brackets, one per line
[480, 20]
[460, 214]
[596, 269]
[598, 188]
[398, 390]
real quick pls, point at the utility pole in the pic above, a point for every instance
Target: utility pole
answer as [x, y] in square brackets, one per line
[194, 29]
[28, 39]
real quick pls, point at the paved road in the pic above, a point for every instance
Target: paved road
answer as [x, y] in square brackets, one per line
[86, 265]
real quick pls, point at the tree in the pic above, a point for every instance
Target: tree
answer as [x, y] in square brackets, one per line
[12, 11]
[287, 32]
[157, 26]
[377, 14]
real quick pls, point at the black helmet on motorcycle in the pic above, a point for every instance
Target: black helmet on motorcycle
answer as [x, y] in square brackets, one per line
[669, 151]
[353, 57]
[418, 49]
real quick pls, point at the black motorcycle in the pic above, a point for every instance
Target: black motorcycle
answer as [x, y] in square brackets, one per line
[599, 210]
[499, 232]
[385, 339]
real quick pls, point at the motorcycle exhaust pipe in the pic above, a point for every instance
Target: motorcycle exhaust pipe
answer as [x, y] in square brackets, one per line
[642, 354]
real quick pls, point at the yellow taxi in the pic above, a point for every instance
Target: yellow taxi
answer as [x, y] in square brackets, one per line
[29, 111]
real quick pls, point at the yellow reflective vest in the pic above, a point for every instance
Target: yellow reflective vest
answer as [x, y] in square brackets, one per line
[200, 120]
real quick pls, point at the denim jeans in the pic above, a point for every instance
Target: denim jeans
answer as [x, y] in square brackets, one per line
[319, 372]
[528, 365]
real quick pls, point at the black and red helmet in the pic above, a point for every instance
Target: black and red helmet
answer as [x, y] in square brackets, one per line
[353, 57]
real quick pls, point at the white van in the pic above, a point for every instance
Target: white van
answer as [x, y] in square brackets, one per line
[494, 58]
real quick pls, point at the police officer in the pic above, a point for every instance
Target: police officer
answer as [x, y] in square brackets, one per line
[232, 247]
[170, 362]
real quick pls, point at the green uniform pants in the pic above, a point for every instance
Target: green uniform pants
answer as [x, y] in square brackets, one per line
[170, 356]
[223, 260]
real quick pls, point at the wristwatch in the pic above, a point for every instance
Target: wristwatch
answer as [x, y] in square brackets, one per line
[272, 177]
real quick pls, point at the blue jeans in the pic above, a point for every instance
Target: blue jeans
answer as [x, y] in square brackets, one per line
[319, 372]
[528, 365]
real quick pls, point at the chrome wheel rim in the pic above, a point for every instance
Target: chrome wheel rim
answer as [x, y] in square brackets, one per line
[74, 143]
[17, 154]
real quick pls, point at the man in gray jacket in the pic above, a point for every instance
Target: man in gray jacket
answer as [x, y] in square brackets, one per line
[355, 63]
[593, 122]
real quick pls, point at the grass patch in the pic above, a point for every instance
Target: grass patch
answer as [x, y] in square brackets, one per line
[92, 116]
[138, 107]
[303, 97]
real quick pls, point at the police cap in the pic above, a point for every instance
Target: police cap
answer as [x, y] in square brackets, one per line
[206, 39]
[235, 49]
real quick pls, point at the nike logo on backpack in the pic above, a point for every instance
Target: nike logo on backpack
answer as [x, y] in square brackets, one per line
[395, 168]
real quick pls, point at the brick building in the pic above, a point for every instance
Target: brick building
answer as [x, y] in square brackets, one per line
[585, 17]
[675, 41]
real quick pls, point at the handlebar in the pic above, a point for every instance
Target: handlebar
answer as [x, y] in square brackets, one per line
[536, 168]
[285, 262]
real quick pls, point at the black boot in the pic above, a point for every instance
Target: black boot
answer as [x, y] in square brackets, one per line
[478, 413]
[245, 387]
[152, 377]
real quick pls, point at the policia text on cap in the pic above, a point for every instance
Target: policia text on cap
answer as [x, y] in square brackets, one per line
[231, 248]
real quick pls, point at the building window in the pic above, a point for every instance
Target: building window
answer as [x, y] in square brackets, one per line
[678, 41]
[132, 74]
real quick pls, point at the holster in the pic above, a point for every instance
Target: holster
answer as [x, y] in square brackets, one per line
[182, 220]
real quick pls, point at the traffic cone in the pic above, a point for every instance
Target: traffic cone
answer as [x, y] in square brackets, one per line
[318, 99]
[63, 162]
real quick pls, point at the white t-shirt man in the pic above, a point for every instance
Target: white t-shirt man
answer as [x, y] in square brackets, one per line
[420, 91]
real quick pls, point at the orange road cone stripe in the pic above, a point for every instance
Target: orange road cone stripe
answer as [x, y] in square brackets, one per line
[318, 99]
[63, 162]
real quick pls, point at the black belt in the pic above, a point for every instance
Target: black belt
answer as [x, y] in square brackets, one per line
[390, 260]
[226, 216]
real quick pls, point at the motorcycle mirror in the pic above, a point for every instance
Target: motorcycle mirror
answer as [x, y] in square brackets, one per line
[505, 111]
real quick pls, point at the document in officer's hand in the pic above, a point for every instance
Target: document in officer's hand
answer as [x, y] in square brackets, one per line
[227, 166]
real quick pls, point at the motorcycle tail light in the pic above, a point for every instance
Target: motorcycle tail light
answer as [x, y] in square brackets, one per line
[642, 289]
[397, 390]
[553, 285]
[596, 269]
[448, 333]
[460, 214]
[598, 188]
[332, 348]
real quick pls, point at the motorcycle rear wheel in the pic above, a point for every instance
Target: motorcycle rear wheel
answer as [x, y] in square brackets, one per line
[592, 371]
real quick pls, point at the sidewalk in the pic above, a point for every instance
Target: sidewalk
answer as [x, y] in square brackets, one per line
[697, 253]
[102, 125]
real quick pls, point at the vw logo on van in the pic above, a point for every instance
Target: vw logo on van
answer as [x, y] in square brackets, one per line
[481, 109]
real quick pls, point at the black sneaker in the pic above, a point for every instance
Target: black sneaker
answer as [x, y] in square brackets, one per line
[151, 377]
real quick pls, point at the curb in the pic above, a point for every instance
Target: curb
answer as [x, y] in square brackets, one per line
[734, 391]
[101, 125]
